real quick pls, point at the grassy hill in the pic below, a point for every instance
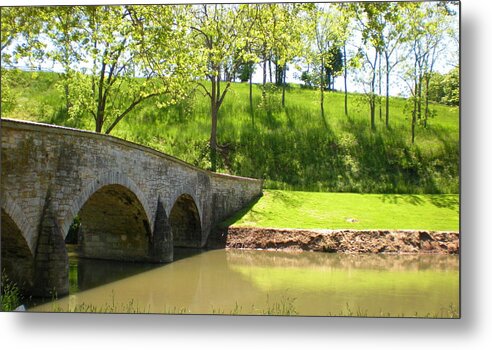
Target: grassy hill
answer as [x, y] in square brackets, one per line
[291, 148]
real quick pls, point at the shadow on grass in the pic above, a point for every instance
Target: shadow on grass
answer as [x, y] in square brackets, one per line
[445, 201]
[407, 198]
[441, 201]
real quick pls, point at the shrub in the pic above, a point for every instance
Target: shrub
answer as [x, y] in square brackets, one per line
[10, 297]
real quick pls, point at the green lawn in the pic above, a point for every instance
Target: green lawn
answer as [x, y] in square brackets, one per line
[308, 210]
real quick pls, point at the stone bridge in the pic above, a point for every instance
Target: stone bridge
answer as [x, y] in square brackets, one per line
[133, 203]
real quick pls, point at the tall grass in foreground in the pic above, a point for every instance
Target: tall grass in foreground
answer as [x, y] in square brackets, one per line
[284, 307]
[291, 148]
[10, 295]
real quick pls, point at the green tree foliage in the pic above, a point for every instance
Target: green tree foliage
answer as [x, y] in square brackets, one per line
[451, 84]
[333, 67]
[18, 40]
[102, 49]
[245, 71]
[445, 88]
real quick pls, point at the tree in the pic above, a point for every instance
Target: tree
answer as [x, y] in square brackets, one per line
[308, 79]
[109, 66]
[325, 39]
[278, 39]
[219, 35]
[435, 31]
[64, 30]
[288, 44]
[427, 26]
[251, 14]
[371, 22]
[345, 26]
[451, 83]
[118, 59]
[445, 88]
[392, 36]
[333, 67]
[245, 71]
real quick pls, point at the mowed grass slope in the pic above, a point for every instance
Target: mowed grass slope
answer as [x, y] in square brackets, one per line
[291, 147]
[310, 210]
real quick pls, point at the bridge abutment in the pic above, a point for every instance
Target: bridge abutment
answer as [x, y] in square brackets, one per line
[51, 259]
[162, 249]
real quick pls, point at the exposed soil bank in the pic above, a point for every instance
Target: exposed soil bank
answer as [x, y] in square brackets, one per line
[341, 241]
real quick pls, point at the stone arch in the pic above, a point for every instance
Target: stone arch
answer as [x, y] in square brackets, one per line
[110, 178]
[17, 259]
[16, 214]
[189, 191]
[115, 220]
[185, 222]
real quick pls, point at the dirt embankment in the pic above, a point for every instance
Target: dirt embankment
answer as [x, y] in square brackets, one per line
[342, 241]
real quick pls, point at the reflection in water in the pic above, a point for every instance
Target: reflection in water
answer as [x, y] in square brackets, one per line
[250, 282]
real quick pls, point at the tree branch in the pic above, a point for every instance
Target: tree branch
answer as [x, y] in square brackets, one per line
[128, 110]
[204, 89]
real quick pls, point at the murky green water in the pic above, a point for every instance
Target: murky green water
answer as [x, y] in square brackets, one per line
[266, 282]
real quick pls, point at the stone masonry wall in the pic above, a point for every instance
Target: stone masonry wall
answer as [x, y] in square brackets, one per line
[230, 195]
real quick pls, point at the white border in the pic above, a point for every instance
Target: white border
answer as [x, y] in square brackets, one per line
[473, 331]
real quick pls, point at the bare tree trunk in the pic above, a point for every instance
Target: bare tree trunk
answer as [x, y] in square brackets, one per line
[380, 92]
[213, 132]
[426, 115]
[322, 95]
[387, 90]
[251, 111]
[270, 69]
[372, 98]
[284, 83]
[345, 77]
[372, 106]
[414, 113]
[322, 99]
[419, 101]
[99, 119]
[68, 104]
[263, 92]
[100, 114]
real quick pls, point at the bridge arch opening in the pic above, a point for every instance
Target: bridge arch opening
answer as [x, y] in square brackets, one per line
[112, 224]
[185, 223]
[17, 260]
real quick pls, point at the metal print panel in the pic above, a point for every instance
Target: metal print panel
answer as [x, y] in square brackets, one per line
[290, 159]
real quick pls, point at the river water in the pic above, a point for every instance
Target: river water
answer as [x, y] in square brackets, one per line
[267, 282]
